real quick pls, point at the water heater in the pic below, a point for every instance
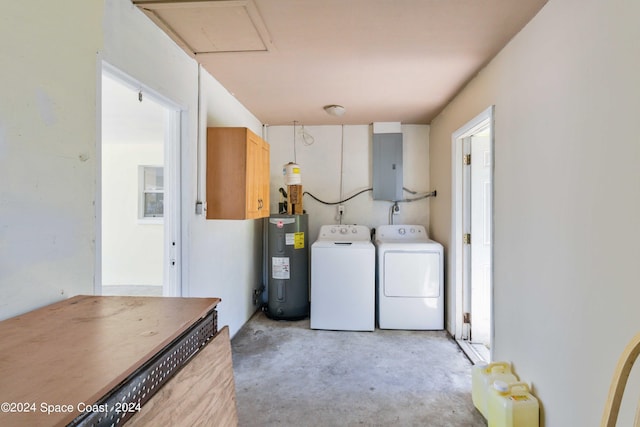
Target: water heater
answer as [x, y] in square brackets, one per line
[288, 266]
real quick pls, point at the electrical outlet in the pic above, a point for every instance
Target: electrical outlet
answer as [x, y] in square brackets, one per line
[396, 209]
[340, 209]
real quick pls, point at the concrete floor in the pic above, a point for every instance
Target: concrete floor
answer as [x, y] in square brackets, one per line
[289, 375]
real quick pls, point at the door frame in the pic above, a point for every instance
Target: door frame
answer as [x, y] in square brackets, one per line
[457, 210]
[172, 258]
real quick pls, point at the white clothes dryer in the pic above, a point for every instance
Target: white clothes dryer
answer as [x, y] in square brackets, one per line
[409, 278]
[343, 279]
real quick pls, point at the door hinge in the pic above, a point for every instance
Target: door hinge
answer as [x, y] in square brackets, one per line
[466, 239]
[466, 159]
[466, 318]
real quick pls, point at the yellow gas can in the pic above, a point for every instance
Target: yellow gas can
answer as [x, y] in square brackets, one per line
[482, 378]
[512, 405]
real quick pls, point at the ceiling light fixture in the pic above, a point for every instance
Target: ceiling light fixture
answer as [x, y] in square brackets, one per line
[334, 110]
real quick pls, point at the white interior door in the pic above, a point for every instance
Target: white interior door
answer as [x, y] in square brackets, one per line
[472, 229]
[466, 248]
[480, 259]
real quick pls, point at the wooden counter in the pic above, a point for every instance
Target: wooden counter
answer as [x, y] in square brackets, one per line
[76, 351]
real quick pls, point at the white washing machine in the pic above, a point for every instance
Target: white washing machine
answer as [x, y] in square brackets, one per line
[409, 278]
[343, 279]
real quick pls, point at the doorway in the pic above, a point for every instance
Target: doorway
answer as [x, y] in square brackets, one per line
[138, 214]
[473, 235]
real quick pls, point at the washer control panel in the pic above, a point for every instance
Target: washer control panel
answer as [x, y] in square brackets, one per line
[401, 232]
[345, 233]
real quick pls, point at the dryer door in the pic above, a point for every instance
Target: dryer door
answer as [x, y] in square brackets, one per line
[412, 274]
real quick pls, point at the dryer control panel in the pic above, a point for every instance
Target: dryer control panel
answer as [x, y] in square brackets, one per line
[401, 232]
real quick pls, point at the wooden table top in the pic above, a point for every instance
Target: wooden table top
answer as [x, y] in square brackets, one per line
[77, 350]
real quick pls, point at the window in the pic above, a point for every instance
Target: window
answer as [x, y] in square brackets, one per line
[151, 200]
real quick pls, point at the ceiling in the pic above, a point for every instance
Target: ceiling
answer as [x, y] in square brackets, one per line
[383, 60]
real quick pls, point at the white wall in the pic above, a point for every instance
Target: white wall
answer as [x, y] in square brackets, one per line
[49, 164]
[567, 94]
[321, 173]
[220, 258]
[47, 151]
[132, 249]
[225, 255]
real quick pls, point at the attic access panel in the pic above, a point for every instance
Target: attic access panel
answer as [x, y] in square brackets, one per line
[210, 26]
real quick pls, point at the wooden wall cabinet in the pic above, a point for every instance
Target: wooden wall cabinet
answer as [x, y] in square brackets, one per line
[237, 174]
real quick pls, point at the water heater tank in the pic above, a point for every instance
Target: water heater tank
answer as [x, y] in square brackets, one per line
[288, 260]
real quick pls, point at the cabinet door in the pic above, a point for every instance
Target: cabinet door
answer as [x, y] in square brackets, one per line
[254, 146]
[237, 174]
[265, 174]
[226, 173]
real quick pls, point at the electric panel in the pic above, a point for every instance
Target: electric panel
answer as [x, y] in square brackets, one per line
[387, 166]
